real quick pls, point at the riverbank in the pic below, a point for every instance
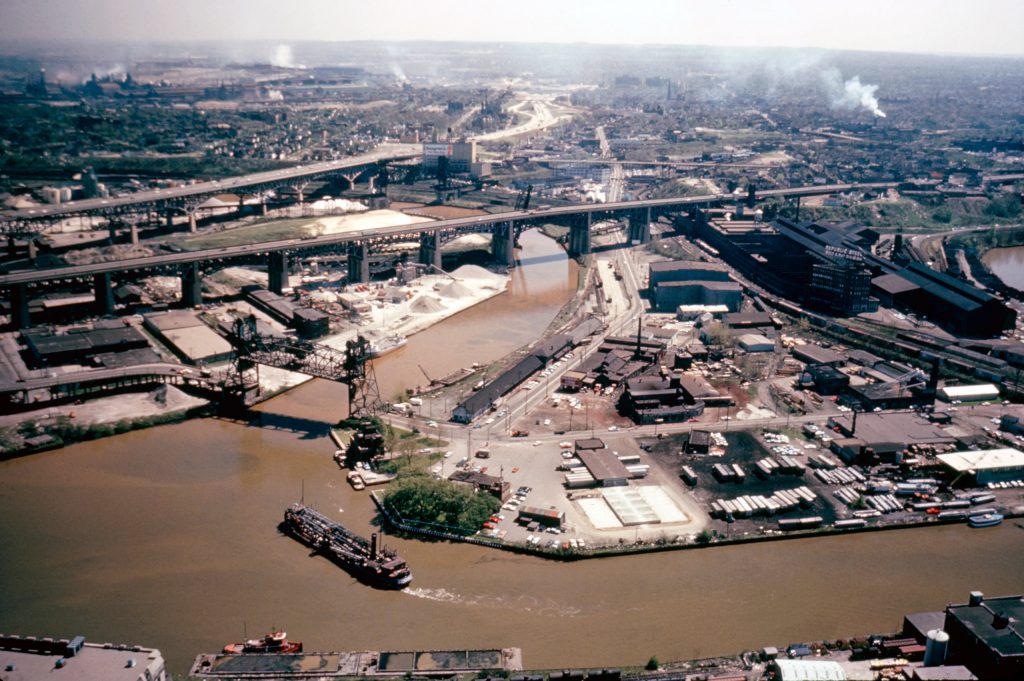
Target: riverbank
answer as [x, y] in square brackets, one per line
[700, 541]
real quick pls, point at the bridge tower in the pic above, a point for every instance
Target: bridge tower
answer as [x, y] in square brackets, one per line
[579, 235]
[363, 394]
[358, 262]
[503, 244]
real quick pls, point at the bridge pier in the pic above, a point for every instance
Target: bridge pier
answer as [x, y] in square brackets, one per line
[104, 293]
[191, 286]
[503, 244]
[430, 249]
[640, 226]
[359, 263]
[20, 318]
[277, 271]
[579, 235]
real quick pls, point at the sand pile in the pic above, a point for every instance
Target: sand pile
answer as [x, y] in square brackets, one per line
[479, 277]
[455, 289]
[426, 305]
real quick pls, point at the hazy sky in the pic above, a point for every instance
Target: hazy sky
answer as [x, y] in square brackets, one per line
[939, 26]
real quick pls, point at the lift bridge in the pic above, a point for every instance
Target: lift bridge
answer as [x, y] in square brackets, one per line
[351, 366]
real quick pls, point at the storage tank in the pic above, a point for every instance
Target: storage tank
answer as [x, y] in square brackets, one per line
[935, 648]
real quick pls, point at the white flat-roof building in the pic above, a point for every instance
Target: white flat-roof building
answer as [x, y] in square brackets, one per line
[24, 658]
[987, 465]
[969, 393]
[809, 670]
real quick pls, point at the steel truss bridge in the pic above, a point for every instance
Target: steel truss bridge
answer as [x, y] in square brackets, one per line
[351, 366]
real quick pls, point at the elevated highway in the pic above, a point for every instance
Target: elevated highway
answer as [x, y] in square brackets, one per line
[186, 198]
[357, 245]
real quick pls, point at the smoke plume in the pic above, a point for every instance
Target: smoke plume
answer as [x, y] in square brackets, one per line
[851, 94]
[283, 57]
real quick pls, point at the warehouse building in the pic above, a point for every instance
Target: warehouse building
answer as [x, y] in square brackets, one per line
[986, 465]
[604, 466]
[187, 336]
[78, 345]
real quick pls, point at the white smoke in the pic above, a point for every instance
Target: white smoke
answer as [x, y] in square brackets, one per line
[283, 57]
[852, 93]
[399, 74]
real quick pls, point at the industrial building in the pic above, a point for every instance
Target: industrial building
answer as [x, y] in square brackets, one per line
[676, 283]
[986, 465]
[946, 300]
[78, 345]
[309, 323]
[24, 658]
[461, 155]
[872, 438]
[821, 265]
[652, 399]
[985, 635]
[483, 399]
[187, 336]
[604, 466]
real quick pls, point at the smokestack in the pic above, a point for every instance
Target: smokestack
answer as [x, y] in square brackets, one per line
[373, 546]
[853, 426]
[751, 195]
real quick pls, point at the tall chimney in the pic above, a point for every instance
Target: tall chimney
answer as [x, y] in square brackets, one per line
[373, 546]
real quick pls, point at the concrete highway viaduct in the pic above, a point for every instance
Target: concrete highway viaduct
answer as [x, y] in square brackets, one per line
[359, 247]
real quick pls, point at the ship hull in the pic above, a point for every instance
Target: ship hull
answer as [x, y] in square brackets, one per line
[361, 559]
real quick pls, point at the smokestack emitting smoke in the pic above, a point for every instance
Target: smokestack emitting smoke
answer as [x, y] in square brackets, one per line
[852, 93]
[283, 57]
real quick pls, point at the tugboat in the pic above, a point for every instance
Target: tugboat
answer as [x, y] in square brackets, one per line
[985, 520]
[274, 642]
[365, 560]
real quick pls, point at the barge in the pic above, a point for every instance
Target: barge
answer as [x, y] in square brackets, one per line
[365, 560]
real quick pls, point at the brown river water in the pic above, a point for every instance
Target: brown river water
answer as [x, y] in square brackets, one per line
[168, 537]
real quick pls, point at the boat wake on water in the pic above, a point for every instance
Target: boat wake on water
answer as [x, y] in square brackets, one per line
[521, 603]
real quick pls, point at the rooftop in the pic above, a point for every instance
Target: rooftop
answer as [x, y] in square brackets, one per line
[985, 459]
[995, 621]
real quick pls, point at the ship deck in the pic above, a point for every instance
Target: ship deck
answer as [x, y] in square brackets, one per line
[352, 664]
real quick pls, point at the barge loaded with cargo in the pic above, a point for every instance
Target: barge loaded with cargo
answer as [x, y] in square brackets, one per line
[365, 560]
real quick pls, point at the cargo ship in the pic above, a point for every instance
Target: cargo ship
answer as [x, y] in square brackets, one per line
[274, 642]
[365, 560]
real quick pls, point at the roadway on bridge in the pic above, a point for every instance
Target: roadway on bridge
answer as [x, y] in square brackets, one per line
[538, 216]
[385, 152]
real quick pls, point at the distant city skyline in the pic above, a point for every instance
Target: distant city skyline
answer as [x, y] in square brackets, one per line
[985, 27]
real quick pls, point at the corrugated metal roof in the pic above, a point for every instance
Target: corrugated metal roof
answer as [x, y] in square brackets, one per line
[810, 670]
